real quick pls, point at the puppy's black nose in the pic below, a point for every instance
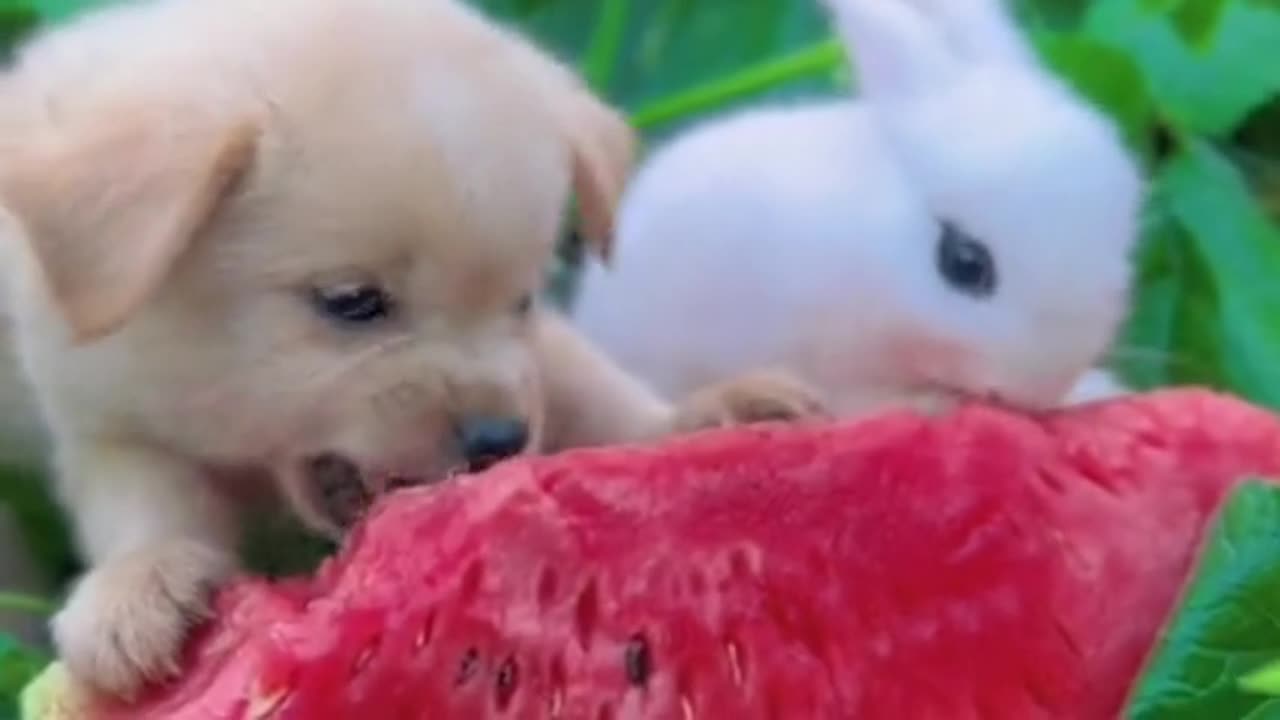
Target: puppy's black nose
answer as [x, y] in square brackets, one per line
[486, 440]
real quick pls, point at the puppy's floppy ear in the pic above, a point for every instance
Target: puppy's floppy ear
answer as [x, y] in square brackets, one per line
[109, 209]
[603, 147]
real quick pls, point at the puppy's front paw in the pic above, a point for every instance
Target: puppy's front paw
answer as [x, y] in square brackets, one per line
[126, 621]
[763, 396]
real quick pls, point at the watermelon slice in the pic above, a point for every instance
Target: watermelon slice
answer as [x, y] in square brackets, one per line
[982, 565]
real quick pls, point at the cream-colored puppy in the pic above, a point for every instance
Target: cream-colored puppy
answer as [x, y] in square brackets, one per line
[295, 244]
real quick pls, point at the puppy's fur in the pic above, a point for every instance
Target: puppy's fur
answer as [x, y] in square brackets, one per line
[182, 177]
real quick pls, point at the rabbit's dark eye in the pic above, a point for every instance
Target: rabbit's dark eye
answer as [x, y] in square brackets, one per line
[354, 303]
[965, 263]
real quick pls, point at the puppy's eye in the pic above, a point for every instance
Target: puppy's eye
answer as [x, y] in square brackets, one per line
[524, 305]
[352, 303]
[965, 263]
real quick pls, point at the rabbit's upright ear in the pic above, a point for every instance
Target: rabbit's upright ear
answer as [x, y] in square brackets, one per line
[894, 47]
[981, 30]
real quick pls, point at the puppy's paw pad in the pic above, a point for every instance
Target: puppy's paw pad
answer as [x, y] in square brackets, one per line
[751, 398]
[125, 624]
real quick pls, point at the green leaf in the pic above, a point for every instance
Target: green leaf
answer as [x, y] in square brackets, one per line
[278, 545]
[1058, 15]
[1197, 20]
[1241, 250]
[59, 10]
[1263, 681]
[1170, 337]
[1106, 77]
[17, 20]
[704, 42]
[18, 665]
[603, 53]
[25, 496]
[1226, 624]
[1209, 88]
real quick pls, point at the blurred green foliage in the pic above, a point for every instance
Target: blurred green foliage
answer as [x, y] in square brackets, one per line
[1194, 84]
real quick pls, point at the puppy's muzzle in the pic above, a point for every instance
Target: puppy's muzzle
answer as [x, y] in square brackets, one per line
[341, 492]
[485, 441]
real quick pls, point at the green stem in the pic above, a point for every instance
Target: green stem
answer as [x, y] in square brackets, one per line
[18, 602]
[606, 42]
[1263, 681]
[817, 59]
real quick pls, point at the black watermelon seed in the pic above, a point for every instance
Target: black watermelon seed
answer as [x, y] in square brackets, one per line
[508, 679]
[468, 667]
[638, 660]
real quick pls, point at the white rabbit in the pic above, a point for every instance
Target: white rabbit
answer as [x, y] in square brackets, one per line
[963, 228]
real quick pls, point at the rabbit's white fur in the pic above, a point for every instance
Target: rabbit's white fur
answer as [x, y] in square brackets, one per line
[805, 236]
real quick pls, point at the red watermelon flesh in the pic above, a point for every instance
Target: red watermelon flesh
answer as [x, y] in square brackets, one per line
[982, 565]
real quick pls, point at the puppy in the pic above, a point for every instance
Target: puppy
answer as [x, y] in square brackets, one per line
[297, 245]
